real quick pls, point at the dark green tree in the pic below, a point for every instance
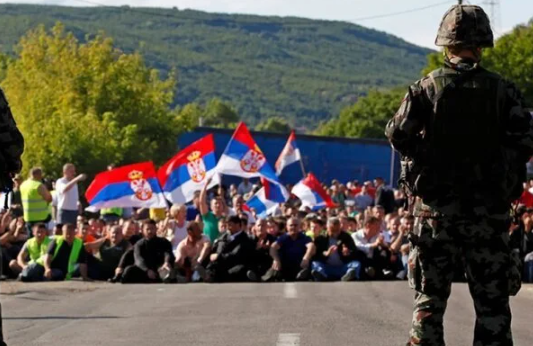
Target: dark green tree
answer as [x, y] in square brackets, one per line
[274, 124]
[367, 118]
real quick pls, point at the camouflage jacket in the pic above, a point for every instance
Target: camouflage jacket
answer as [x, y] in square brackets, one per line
[407, 132]
[12, 142]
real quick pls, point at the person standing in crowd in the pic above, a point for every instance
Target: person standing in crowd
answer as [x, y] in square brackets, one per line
[244, 187]
[230, 256]
[66, 257]
[175, 226]
[68, 195]
[469, 137]
[384, 196]
[35, 199]
[211, 217]
[192, 253]
[291, 253]
[35, 250]
[336, 256]
[154, 260]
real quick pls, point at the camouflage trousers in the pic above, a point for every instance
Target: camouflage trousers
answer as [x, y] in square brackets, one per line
[482, 243]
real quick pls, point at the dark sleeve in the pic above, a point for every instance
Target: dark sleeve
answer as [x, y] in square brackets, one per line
[138, 255]
[320, 243]
[12, 142]
[355, 253]
[167, 250]
[403, 130]
[82, 258]
[518, 123]
[51, 247]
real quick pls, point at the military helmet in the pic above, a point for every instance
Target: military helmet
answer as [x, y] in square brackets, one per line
[465, 25]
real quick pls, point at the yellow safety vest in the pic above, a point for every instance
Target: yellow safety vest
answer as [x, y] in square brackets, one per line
[34, 206]
[77, 245]
[37, 251]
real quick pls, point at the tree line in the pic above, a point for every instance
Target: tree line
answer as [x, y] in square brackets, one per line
[93, 104]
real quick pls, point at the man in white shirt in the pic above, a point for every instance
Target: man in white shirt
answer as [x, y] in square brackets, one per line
[372, 242]
[67, 195]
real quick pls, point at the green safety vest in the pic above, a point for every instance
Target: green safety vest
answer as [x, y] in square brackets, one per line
[37, 251]
[74, 254]
[116, 211]
[34, 206]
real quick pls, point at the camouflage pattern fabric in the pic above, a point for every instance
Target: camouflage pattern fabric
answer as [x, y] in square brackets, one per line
[483, 243]
[467, 26]
[405, 132]
[471, 223]
[11, 140]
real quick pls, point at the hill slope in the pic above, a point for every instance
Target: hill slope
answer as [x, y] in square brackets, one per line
[305, 70]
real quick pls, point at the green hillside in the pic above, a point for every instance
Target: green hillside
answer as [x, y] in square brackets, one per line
[304, 70]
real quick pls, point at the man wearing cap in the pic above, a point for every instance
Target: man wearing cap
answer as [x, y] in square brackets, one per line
[465, 137]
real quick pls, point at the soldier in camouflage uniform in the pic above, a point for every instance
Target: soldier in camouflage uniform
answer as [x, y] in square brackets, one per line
[465, 136]
[11, 149]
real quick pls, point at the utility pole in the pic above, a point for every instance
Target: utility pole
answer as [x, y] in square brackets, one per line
[494, 13]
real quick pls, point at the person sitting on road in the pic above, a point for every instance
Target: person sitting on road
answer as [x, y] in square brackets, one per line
[263, 241]
[371, 241]
[34, 249]
[230, 256]
[154, 260]
[336, 256]
[291, 254]
[13, 235]
[192, 253]
[66, 258]
[108, 252]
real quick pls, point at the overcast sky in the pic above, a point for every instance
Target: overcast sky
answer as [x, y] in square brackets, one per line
[418, 26]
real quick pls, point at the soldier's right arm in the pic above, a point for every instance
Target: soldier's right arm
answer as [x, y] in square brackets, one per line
[12, 141]
[518, 124]
[403, 130]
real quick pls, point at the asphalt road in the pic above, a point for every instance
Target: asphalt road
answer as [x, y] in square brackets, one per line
[305, 314]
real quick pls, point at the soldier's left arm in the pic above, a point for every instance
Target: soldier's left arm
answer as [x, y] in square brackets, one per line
[403, 130]
[518, 123]
[12, 142]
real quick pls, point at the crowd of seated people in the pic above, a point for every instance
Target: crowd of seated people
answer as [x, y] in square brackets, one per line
[216, 238]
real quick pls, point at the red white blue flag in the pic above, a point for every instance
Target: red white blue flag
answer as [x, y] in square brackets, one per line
[312, 194]
[189, 170]
[289, 155]
[243, 158]
[128, 186]
[267, 198]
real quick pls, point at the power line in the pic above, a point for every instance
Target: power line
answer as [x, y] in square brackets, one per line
[403, 12]
[182, 17]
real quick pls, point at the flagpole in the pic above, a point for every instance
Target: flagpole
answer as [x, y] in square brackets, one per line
[302, 165]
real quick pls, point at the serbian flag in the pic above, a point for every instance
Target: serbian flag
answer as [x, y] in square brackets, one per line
[189, 170]
[312, 194]
[243, 158]
[267, 198]
[128, 186]
[289, 155]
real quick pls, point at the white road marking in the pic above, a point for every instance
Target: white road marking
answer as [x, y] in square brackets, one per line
[290, 291]
[288, 340]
